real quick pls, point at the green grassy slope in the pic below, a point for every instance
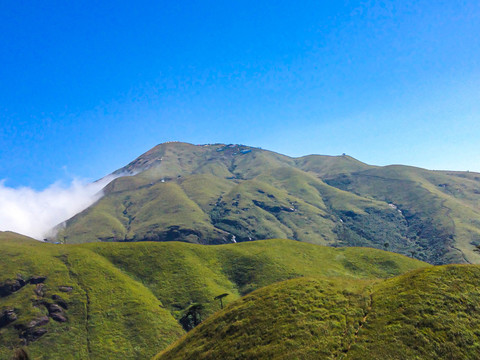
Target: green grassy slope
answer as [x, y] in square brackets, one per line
[215, 194]
[431, 313]
[126, 298]
[297, 319]
[440, 209]
[109, 315]
[180, 274]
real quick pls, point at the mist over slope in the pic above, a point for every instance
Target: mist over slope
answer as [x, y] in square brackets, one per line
[35, 213]
[217, 193]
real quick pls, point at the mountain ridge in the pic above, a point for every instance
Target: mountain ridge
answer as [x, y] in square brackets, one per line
[220, 193]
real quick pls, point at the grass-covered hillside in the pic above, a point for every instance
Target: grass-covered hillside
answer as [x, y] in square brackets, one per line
[430, 313]
[70, 303]
[215, 194]
[131, 300]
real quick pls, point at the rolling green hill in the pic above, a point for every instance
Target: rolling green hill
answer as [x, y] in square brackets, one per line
[70, 303]
[430, 313]
[126, 300]
[217, 194]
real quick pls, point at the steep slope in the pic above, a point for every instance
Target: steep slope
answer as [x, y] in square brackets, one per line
[125, 300]
[297, 319]
[215, 194]
[432, 313]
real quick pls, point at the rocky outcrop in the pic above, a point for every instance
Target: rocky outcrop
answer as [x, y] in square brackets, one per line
[7, 316]
[39, 290]
[10, 286]
[53, 308]
[32, 331]
[60, 301]
[56, 311]
[58, 317]
[65, 288]
[37, 279]
[275, 209]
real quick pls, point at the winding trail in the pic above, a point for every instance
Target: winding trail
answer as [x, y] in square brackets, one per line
[360, 326]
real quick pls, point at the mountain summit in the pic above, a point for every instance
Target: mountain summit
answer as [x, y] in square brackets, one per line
[224, 193]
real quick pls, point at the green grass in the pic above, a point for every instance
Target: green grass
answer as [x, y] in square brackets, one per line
[429, 313]
[440, 209]
[110, 315]
[127, 297]
[297, 319]
[180, 274]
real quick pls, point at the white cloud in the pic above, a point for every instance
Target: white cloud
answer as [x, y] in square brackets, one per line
[35, 213]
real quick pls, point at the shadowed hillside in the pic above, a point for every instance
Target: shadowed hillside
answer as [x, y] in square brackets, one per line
[216, 194]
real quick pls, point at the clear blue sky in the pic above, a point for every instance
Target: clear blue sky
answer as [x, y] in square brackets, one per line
[87, 86]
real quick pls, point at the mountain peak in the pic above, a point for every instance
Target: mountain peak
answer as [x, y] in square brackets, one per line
[181, 153]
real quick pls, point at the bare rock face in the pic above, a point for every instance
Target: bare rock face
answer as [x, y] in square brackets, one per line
[66, 289]
[37, 279]
[33, 330]
[6, 317]
[60, 301]
[10, 286]
[58, 317]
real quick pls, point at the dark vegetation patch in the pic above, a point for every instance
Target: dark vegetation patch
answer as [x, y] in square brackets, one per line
[395, 231]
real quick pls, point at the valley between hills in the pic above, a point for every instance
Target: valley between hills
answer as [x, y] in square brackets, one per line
[318, 257]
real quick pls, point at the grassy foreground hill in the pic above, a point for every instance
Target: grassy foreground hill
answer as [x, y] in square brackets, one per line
[216, 194]
[430, 313]
[70, 303]
[125, 300]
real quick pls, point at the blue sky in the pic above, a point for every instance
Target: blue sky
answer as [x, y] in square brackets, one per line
[88, 86]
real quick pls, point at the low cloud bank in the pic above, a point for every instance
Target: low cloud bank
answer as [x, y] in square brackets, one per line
[35, 213]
